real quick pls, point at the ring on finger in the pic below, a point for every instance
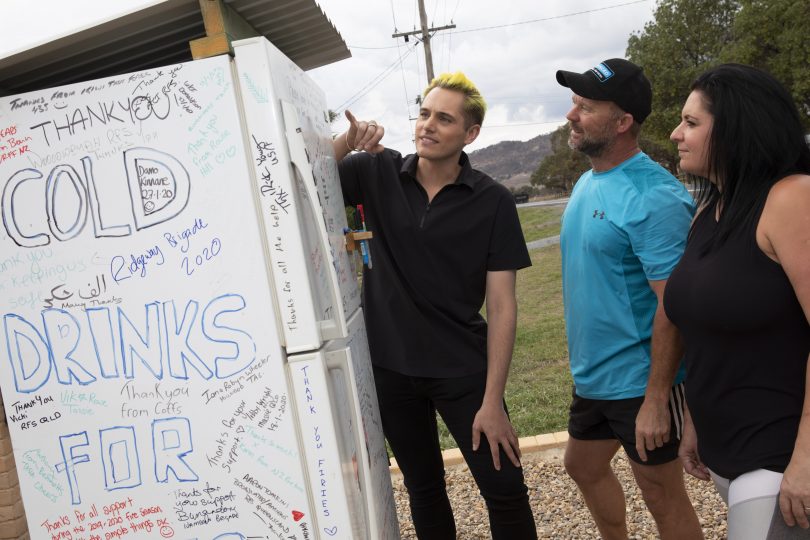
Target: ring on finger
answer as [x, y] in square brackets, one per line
[372, 123]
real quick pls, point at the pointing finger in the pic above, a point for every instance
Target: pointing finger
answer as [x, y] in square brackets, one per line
[350, 117]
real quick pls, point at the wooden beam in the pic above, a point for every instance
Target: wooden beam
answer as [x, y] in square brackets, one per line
[223, 25]
[210, 46]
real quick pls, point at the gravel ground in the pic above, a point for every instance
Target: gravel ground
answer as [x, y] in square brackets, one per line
[559, 510]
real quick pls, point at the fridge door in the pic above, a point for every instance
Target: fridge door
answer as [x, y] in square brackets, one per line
[323, 426]
[355, 396]
[343, 442]
[142, 374]
[287, 124]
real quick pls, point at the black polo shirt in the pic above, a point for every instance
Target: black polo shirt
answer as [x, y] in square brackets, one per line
[427, 284]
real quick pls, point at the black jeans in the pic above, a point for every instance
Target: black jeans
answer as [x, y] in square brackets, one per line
[408, 406]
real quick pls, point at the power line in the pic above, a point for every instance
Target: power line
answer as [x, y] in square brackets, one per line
[375, 81]
[399, 61]
[449, 35]
[401, 68]
[424, 34]
[394, 17]
[519, 23]
[454, 10]
[418, 74]
[449, 49]
[552, 18]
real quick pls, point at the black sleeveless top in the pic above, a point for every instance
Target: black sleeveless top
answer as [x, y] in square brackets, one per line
[747, 342]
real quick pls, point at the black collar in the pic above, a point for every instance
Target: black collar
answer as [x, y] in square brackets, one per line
[466, 177]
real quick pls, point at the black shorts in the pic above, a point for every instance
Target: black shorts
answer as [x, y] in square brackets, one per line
[599, 419]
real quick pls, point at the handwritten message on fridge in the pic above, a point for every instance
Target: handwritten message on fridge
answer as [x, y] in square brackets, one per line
[140, 367]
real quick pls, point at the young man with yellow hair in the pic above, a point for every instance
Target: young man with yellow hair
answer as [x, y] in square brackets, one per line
[446, 237]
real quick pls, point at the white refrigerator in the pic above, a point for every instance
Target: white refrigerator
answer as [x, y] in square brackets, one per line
[183, 351]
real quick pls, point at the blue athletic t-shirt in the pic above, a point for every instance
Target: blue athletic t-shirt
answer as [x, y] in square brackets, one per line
[622, 228]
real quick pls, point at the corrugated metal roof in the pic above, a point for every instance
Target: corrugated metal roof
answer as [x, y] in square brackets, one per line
[159, 35]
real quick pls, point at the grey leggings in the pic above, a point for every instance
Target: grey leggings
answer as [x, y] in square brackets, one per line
[753, 507]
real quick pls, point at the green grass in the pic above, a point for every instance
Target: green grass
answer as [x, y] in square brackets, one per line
[540, 221]
[538, 391]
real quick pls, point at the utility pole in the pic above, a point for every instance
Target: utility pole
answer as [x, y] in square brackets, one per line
[425, 32]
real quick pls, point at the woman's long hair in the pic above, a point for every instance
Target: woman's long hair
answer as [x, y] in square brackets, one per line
[756, 140]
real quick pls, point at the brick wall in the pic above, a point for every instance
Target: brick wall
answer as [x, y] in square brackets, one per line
[12, 515]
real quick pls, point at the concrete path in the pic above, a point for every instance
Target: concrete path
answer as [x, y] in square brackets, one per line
[552, 202]
[543, 242]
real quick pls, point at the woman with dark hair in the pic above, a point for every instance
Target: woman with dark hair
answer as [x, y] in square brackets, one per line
[741, 299]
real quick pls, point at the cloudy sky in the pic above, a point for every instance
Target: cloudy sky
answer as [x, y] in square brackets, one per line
[509, 48]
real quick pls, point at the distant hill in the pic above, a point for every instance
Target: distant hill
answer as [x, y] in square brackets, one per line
[512, 162]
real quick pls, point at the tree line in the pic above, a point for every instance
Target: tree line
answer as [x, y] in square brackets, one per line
[685, 38]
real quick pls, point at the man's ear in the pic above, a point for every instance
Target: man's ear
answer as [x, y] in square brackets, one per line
[625, 123]
[472, 133]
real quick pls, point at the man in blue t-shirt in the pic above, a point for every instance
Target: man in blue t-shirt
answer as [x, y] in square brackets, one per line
[623, 232]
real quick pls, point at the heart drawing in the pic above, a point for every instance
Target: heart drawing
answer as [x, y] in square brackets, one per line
[332, 531]
[297, 515]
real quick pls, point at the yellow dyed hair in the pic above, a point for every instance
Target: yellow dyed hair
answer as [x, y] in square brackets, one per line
[474, 105]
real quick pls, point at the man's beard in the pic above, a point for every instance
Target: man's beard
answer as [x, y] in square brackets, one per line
[592, 146]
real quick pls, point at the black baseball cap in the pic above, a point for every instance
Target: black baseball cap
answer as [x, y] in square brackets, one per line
[616, 80]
